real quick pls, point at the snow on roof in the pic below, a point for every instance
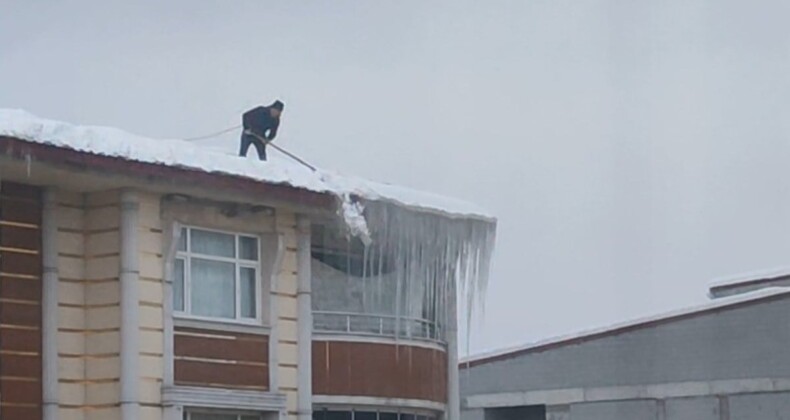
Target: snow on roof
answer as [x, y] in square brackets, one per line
[613, 328]
[113, 142]
[749, 277]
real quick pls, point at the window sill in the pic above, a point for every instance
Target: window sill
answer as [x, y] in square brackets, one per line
[219, 325]
[220, 398]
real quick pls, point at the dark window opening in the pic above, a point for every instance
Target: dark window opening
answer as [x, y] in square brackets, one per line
[527, 412]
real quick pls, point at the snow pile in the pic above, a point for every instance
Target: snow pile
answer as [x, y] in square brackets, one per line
[353, 214]
[107, 141]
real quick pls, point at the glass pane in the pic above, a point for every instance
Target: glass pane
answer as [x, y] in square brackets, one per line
[248, 248]
[212, 416]
[248, 292]
[318, 414]
[407, 417]
[182, 240]
[365, 415]
[388, 416]
[337, 415]
[178, 285]
[212, 243]
[213, 288]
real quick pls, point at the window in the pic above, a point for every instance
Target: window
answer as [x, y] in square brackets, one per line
[216, 275]
[197, 415]
[324, 414]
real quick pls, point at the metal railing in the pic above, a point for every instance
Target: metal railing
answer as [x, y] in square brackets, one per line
[353, 323]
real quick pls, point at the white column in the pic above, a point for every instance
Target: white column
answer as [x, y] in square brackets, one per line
[453, 397]
[49, 306]
[130, 307]
[170, 412]
[273, 246]
[305, 321]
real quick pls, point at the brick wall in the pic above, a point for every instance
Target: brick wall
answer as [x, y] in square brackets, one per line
[20, 302]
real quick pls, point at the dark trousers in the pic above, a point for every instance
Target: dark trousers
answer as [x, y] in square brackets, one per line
[249, 139]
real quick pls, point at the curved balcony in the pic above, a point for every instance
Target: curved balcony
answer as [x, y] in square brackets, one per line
[356, 291]
[378, 329]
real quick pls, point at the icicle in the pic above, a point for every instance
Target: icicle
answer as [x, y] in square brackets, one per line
[413, 263]
[433, 256]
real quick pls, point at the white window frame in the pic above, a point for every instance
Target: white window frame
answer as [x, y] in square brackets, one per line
[188, 413]
[186, 256]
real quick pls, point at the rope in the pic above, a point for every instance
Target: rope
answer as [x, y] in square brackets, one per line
[267, 142]
[212, 134]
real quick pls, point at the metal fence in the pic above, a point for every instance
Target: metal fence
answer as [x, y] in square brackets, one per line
[375, 325]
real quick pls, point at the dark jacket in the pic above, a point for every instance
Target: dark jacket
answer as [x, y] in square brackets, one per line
[259, 120]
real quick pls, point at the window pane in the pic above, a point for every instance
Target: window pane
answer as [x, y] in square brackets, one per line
[212, 416]
[248, 292]
[182, 240]
[337, 415]
[365, 415]
[388, 416]
[248, 248]
[212, 243]
[407, 417]
[178, 285]
[213, 288]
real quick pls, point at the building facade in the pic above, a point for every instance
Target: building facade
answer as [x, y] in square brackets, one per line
[726, 360]
[132, 289]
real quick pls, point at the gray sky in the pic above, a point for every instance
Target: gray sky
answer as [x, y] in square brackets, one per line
[633, 150]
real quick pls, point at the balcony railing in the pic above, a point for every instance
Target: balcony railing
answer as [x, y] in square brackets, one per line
[351, 323]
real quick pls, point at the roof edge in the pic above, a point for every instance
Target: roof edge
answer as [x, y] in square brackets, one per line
[760, 296]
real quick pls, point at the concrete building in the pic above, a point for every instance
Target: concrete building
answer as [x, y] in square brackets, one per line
[726, 360]
[151, 279]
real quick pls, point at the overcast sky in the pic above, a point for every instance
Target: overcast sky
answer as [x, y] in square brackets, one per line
[633, 150]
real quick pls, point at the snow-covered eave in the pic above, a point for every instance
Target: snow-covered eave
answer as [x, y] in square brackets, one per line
[618, 328]
[174, 153]
[744, 279]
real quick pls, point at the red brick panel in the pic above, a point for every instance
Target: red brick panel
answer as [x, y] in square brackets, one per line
[20, 302]
[22, 412]
[17, 210]
[219, 374]
[379, 370]
[14, 314]
[221, 359]
[20, 237]
[16, 341]
[19, 264]
[21, 365]
[241, 347]
[20, 392]
[20, 288]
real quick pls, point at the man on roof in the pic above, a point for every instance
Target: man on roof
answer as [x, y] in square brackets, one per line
[260, 127]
